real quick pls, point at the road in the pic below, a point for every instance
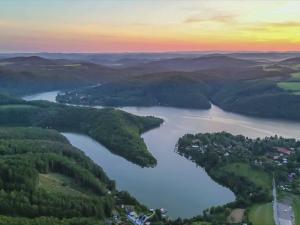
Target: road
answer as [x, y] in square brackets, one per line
[283, 213]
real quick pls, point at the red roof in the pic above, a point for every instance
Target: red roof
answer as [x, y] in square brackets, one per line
[284, 150]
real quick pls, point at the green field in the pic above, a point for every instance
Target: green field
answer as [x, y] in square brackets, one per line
[19, 106]
[57, 183]
[201, 223]
[296, 75]
[296, 208]
[258, 177]
[261, 214]
[289, 86]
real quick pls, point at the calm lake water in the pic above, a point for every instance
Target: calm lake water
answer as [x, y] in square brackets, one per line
[175, 183]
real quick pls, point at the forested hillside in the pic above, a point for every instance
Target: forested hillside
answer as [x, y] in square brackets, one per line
[25, 75]
[166, 89]
[269, 90]
[117, 130]
[47, 181]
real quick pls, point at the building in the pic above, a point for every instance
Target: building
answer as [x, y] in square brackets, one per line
[283, 150]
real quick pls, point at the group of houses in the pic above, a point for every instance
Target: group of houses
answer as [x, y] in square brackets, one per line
[138, 219]
[280, 155]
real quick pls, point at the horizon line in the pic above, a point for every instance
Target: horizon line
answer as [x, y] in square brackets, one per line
[149, 52]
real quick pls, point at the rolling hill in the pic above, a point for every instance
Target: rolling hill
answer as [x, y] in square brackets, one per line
[214, 61]
[23, 75]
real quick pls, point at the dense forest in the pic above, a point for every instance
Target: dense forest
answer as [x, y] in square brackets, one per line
[48, 181]
[265, 90]
[262, 98]
[117, 130]
[26, 75]
[243, 85]
[168, 89]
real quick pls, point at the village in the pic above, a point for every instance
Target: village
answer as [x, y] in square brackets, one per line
[134, 215]
[280, 158]
[254, 169]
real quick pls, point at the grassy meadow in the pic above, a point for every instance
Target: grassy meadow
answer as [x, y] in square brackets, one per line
[261, 214]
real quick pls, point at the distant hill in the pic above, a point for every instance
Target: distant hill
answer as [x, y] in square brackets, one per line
[265, 56]
[29, 60]
[165, 89]
[249, 90]
[22, 75]
[215, 61]
[187, 82]
[290, 61]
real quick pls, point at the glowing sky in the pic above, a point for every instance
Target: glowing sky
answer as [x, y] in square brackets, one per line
[149, 25]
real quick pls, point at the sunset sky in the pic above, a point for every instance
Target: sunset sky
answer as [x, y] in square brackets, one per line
[149, 25]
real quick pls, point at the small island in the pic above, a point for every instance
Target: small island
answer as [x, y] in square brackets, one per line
[247, 166]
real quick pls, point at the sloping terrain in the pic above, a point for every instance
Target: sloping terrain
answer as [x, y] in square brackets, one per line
[267, 89]
[199, 63]
[117, 130]
[167, 89]
[29, 154]
[23, 75]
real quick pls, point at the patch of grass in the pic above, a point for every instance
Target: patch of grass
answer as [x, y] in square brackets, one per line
[261, 214]
[58, 183]
[296, 75]
[296, 66]
[17, 106]
[201, 223]
[236, 216]
[73, 65]
[271, 68]
[296, 208]
[258, 177]
[289, 86]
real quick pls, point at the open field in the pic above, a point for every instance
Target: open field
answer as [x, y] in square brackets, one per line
[73, 65]
[290, 86]
[19, 106]
[261, 214]
[296, 75]
[201, 223]
[236, 216]
[258, 177]
[53, 182]
[296, 208]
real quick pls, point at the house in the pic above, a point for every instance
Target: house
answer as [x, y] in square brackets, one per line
[163, 211]
[283, 150]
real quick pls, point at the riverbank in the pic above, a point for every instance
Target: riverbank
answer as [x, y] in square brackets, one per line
[118, 130]
[246, 166]
[189, 189]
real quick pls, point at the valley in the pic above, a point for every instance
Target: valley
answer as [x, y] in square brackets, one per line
[142, 112]
[138, 164]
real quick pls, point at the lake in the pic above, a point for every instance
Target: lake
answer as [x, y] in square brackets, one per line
[176, 183]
